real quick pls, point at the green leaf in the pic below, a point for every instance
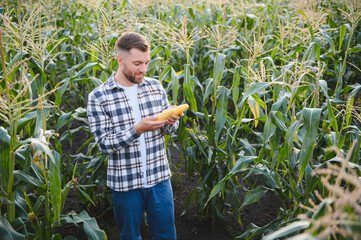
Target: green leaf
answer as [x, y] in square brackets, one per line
[82, 219]
[269, 130]
[355, 49]
[4, 158]
[279, 102]
[62, 120]
[155, 51]
[235, 85]
[342, 34]
[90, 226]
[154, 62]
[241, 163]
[330, 42]
[56, 237]
[216, 189]
[55, 186]
[259, 101]
[295, 93]
[356, 89]
[190, 11]
[324, 88]
[278, 119]
[61, 90]
[287, 147]
[210, 85]
[339, 160]
[188, 88]
[87, 68]
[219, 68]
[288, 230]
[254, 88]
[40, 144]
[25, 120]
[124, 3]
[254, 195]
[96, 81]
[21, 176]
[39, 204]
[221, 112]
[331, 117]
[323, 208]
[4, 136]
[7, 231]
[311, 180]
[311, 117]
[303, 236]
[175, 86]
[84, 194]
[39, 123]
[165, 75]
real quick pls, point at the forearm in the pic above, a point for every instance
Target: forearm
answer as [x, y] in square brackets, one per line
[112, 142]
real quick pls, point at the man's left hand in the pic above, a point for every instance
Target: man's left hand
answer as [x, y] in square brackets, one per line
[173, 119]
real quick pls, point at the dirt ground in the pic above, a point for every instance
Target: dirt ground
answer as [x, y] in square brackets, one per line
[188, 225]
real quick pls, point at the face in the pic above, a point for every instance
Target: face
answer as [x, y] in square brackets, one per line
[133, 65]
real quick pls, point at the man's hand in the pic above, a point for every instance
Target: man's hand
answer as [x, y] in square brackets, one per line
[148, 124]
[173, 119]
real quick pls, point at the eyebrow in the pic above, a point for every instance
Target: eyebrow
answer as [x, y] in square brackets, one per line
[141, 61]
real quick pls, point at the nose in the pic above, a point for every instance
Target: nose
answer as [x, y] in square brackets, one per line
[143, 68]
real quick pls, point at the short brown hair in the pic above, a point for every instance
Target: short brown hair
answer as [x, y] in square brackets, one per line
[131, 40]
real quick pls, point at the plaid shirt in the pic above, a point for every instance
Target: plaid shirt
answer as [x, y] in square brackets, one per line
[112, 124]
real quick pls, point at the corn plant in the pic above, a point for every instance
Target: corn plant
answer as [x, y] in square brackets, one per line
[31, 184]
[336, 214]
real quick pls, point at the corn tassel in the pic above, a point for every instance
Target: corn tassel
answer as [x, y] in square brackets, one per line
[181, 108]
[165, 114]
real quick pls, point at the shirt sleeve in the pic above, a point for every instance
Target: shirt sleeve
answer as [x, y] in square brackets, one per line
[105, 136]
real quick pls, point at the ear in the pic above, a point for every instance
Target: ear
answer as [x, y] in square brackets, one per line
[119, 59]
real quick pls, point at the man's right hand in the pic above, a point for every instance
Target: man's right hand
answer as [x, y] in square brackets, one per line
[149, 124]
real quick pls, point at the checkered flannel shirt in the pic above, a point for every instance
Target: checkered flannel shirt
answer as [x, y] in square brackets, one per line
[112, 124]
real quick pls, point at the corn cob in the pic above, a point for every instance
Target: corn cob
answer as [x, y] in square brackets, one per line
[165, 114]
[181, 108]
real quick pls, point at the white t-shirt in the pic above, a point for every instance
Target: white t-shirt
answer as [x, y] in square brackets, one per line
[132, 93]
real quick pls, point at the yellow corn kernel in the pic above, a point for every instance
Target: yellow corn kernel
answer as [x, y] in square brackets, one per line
[181, 108]
[165, 114]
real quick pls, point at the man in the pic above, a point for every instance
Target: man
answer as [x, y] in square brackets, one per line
[122, 113]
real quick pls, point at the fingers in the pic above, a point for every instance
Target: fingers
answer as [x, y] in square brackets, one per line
[172, 120]
[148, 124]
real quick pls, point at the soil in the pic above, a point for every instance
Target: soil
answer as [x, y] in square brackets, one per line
[188, 224]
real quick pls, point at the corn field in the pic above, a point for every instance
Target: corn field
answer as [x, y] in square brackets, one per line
[274, 94]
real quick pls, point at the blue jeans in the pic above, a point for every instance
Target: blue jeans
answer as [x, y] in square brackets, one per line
[156, 201]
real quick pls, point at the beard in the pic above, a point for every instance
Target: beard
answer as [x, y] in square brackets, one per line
[132, 78]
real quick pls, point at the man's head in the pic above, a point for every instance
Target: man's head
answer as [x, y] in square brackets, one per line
[131, 40]
[133, 56]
